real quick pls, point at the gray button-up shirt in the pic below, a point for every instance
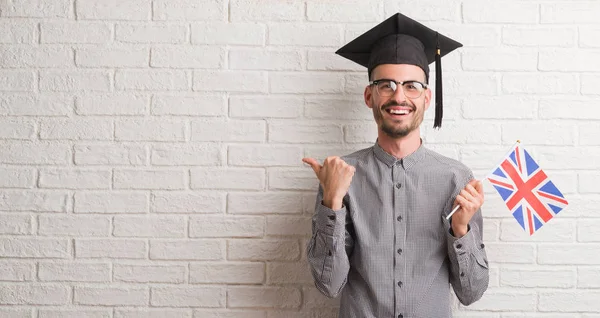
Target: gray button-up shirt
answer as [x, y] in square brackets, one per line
[389, 250]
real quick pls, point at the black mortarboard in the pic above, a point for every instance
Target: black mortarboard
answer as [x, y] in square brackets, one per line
[402, 40]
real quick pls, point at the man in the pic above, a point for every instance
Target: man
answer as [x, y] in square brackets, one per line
[380, 233]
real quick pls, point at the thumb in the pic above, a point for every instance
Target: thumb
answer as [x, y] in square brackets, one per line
[313, 163]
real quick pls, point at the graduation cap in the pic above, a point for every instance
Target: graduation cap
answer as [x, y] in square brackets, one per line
[402, 40]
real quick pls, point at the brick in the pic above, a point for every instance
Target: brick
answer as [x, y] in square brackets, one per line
[245, 81]
[190, 10]
[34, 248]
[35, 295]
[586, 232]
[150, 130]
[578, 109]
[191, 105]
[74, 272]
[38, 57]
[227, 273]
[206, 297]
[229, 313]
[589, 83]
[313, 83]
[16, 128]
[259, 203]
[553, 134]
[113, 56]
[271, 297]
[563, 231]
[110, 248]
[151, 33]
[314, 299]
[566, 181]
[74, 313]
[568, 254]
[44, 105]
[152, 313]
[304, 34]
[274, 10]
[197, 154]
[76, 129]
[265, 106]
[546, 84]
[259, 156]
[539, 36]
[149, 226]
[538, 277]
[113, 154]
[569, 301]
[188, 202]
[151, 80]
[226, 226]
[428, 10]
[504, 60]
[17, 32]
[17, 81]
[113, 10]
[505, 107]
[37, 9]
[568, 158]
[464, 133]
[75, 32]
[511, 252]
[337, 108]
[288, 226]
[218, 178]
[587, 36]
[228, 33]
[588, 277]
[111, 104]
[507, 300]
[228, 131]
[187, 57]
[500, 12]
[18, 224]
[286, 179]
[16, 313]
[361, 133]
[17, 272]
[58, 225]
[582, 206]
[289, 273]
[563, 13]
[32, 201]
[588, 182]
[263, 250]
[111, 296]
[569, 60]
[201, 250]
[329, 61]
[173, 274]
[17, 177]
[351, 11]
[454, 84]
[75, 81]
[471, 36]
[259, 59]
[150, 179]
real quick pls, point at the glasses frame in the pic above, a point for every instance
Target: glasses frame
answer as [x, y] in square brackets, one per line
[400, 83]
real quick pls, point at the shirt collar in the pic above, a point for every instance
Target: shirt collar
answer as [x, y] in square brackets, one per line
[406, 162]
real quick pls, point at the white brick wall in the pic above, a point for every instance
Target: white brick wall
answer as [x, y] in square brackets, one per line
[150, 150]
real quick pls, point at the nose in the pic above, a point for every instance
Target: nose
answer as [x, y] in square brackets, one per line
[398, 95]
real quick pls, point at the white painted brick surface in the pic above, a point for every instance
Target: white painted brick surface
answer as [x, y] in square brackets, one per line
[150, 150]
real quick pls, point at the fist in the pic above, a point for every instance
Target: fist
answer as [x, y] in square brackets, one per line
[335, 176]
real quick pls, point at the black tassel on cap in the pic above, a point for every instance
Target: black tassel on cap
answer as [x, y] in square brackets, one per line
[439, 112]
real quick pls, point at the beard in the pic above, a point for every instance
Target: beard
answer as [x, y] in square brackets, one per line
[398, 128]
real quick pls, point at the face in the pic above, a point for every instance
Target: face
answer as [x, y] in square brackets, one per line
[396, 115]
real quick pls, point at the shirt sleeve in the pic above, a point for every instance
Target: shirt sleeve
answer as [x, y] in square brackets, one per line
[329, 247]
[469, 274]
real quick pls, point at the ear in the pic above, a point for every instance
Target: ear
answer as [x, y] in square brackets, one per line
[368, 94]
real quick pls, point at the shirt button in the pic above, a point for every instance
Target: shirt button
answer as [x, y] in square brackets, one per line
[332, 217]
[462, 274]
[482, 245]
[400, 316]
[399, 218]
[458, 245]
[399, 284]
[399, 251]
[398, 185]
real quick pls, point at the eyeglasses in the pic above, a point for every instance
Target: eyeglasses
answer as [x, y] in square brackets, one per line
[388, 87]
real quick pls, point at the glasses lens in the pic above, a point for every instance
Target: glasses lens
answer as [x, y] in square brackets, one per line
[386, 88]
[412, 89]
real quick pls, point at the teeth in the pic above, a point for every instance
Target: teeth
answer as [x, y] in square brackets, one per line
[399, 112]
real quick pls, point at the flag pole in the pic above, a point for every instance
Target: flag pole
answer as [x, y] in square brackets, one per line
[508, 152]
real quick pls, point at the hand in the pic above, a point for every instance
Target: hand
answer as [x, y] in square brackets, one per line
[335, 176]
[470, 200]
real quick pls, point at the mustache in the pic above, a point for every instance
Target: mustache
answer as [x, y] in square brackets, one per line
[394, 103]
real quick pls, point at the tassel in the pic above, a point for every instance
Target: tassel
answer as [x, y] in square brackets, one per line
[439, 112]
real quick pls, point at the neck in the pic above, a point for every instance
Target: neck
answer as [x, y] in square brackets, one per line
[399, 147]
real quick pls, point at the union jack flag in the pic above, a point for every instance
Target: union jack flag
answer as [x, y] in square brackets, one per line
[527, 191]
